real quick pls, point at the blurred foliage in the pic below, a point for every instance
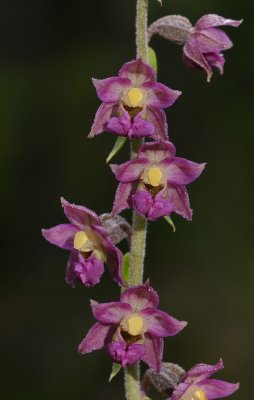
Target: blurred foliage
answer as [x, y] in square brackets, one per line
[204, 272]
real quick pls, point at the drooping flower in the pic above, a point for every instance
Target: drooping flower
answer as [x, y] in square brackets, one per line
[89, 243]
[197, 384]
[131, 329]
[206, 42]
[133, 103]
[203, 43]
[154, 182]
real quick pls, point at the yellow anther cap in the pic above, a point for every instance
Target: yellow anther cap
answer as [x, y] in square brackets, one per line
[154, 176]
[135, 325]
[134, 96]
[80, 240]
[199, 395]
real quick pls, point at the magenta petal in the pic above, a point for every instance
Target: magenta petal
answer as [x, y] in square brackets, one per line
[151, 207]
[140, 297]
[110, 313]
[120, 125]
[110, 90]
[61, 235]
[202, 371]
[142, 202]
[153, 352]
[159, 95]
[79, 215]
[216, 389]
[89, 270]
[141, 127]
[114, 264]
[123, 126]
[138, 72]
[216, 60]
[158, 119]
[213, 20]
[157, 151]
[122, 198]
[179, 197]
[126, 354]
[101, 119]
[130, 170]
[213, 39]
[114, 257]
[161, 208]
[97, 338]
[181, 171]
[194, 57]
[161, 324]
[71, 274]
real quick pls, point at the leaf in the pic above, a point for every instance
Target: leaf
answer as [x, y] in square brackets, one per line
[170, 222]
[115, 370]
[125, 268]
[152, 59]
[160, 1]
[117, 146]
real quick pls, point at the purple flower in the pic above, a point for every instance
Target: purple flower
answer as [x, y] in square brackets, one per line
[131, 329]
[133, 103]
[90, 244]
[154, 182]
[205, 43]
[197, 384]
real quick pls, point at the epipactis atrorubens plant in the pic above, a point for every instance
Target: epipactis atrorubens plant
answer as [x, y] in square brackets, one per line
[152, 183]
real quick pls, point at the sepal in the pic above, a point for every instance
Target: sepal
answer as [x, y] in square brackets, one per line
[165, 381]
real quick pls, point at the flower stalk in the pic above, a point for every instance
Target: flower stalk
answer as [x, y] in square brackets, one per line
[139, 223]
[153, 183]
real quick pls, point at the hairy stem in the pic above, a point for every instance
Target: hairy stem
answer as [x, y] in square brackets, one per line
[139, 224]
[141, 29]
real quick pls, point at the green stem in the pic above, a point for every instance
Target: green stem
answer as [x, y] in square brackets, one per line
[139, 224]
[141, 29]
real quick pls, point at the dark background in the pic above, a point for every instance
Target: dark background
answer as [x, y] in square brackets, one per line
[204, 272]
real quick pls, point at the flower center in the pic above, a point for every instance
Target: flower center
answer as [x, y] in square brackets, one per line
[134, 96]
[199, 395]
[154, 175]
[82, 242]
[135, 325]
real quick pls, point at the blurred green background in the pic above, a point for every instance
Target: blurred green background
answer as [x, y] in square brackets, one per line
[204, 272]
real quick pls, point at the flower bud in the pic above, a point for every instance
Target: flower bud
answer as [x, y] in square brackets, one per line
[166, 380]
[172, 27]
[117, 227]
